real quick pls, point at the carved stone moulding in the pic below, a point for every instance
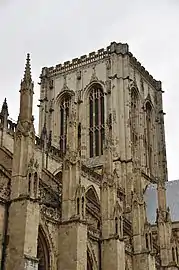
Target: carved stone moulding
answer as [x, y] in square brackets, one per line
[51, 213]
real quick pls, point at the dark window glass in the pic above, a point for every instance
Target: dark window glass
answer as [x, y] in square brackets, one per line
[96, 122]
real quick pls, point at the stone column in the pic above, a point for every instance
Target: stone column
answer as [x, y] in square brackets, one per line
[73, 228]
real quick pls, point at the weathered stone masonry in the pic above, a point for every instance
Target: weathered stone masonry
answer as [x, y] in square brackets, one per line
[73, 197]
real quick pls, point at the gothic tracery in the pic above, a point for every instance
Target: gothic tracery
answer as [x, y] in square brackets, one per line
[96, 120]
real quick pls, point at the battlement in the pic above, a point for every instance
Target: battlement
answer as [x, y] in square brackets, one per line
[79, 62]
[136, 64]
[104, 53]
[83, 60]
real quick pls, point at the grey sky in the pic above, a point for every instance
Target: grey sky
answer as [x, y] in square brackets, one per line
[54, 31]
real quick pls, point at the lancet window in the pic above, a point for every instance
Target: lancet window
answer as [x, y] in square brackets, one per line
[134, 119]
[96, 121]
[148, 136]
[64, 115]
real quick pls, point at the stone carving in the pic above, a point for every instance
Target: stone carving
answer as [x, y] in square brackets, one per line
[71, 156]
[4, 187]
[128, 244]
[108, 86]
[108, 64]
[51, 213]
[93, 76]
[25, 128]
[73, 114]
[78, 75]
[65, 86]
[33, 164]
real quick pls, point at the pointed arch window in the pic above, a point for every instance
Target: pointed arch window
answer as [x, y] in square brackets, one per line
[64, 115]
[43, 252]
[146, 241]
[134, 119]
[148, 136]
[96, 121]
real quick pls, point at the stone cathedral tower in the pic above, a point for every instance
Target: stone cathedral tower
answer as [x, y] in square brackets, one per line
[83, 194]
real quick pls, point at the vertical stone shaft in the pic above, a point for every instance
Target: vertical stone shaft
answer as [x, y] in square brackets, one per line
[73, 230]
[24, 208]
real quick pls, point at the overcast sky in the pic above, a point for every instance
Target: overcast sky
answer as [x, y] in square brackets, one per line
[54, 31]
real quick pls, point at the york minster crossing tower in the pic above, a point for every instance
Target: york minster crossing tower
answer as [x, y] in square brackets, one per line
[78, 195]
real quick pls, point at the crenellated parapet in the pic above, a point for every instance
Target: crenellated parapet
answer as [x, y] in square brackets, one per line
[77, 63]
[101, 54]
[156, 84]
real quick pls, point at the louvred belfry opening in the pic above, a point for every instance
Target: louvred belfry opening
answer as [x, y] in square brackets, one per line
[96, 122]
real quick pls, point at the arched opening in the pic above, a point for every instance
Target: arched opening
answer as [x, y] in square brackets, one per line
[92, 208]
[148, 136]
[96, 120]
[64, 116]
[43, 252]
[134, 121]
[58, 178]
[89, 262]
[146, 241]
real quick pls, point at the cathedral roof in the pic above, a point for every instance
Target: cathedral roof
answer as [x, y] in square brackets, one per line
[172, 195]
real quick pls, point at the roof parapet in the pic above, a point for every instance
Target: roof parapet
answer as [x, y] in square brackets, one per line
[156, 84]
[118, 48]
[104, 53]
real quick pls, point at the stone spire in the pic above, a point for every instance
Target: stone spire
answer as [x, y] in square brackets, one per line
[4, 113]
[4, 109]
[26, 94]
[24, 208]
[27, 74]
